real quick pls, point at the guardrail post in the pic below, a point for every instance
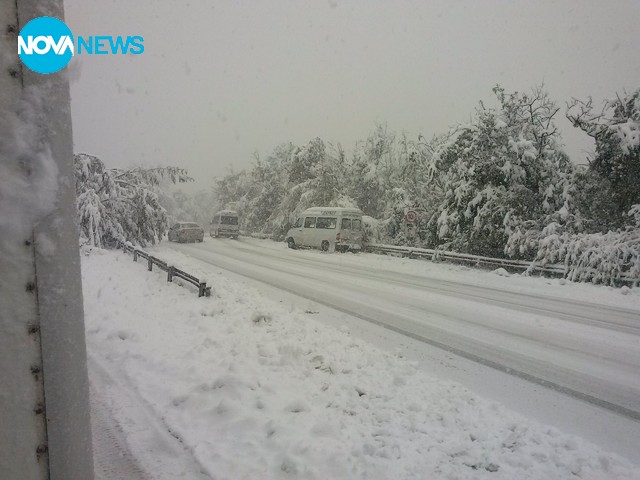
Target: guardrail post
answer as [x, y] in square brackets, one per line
[202, 289]
[170, 274]
[149, 264]
[135, 254]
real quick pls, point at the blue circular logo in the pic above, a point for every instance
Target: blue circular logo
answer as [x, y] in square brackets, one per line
[45, 45]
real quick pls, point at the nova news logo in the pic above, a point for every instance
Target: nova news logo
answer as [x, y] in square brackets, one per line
[46, 45]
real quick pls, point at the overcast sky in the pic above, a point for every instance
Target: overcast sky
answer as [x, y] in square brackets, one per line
[219, 81]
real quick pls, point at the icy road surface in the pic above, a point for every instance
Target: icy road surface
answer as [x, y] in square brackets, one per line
[552, 335]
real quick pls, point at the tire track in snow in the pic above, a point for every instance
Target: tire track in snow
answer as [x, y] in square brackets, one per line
[130, 441]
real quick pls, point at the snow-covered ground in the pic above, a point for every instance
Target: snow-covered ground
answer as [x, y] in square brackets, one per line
[247, 385]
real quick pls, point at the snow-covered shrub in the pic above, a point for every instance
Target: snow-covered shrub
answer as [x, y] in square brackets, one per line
[595, 257]
[372, 230]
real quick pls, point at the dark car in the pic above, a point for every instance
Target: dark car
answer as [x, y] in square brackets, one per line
[186, 232]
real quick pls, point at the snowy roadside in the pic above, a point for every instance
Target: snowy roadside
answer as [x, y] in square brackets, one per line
[255, 388]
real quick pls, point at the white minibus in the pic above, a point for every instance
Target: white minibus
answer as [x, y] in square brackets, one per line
[327, 228]
[224, 223]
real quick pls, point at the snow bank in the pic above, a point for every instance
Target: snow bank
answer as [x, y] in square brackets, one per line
[255, 388]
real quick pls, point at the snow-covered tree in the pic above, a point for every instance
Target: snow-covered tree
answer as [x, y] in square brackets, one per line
[262, 212]
[274, 191]
[616, 131]
[417, 185]
[503, 169]
[596, 234]
[372, 170]
[121, 205]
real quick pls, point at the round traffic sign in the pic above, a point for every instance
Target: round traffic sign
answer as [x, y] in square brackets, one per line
[411, 216]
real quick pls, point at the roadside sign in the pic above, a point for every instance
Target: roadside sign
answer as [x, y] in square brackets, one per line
[411, 216]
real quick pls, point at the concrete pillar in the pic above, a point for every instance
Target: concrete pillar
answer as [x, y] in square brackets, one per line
[45, 430]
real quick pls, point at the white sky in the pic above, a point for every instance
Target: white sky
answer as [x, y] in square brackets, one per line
[219, 81]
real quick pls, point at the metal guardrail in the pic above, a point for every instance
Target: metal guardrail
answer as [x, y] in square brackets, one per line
[476, 260]
[441, 255]
[203, 290]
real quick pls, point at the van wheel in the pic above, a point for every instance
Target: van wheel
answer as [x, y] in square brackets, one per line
[291, 244]
[324, 246]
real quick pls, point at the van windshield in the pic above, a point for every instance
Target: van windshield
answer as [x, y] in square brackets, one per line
[227, 220]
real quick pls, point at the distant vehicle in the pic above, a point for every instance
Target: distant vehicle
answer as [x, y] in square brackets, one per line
[186, 232]
[225, 224]
[327, 228]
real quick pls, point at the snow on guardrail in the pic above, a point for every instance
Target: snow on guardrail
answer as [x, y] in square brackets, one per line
[203, 290]
[477, 260]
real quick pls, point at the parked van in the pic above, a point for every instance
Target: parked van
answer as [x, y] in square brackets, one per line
[327, 228]
[224, 223]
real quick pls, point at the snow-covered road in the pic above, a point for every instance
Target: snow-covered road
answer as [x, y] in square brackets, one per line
[588, 350]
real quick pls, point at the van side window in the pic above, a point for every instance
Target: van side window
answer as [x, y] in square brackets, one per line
[326, 222]
[228, 220]
[357, 224]
[310, 222]
[298, 223]
[346, 224]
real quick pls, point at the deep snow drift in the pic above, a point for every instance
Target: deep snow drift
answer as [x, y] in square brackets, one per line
[255, 388]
